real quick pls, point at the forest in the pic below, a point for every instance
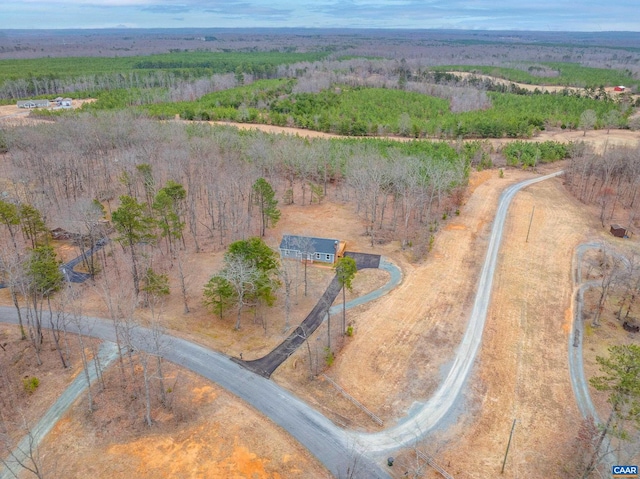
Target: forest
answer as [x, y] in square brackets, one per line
[380, 111]
[97, 157]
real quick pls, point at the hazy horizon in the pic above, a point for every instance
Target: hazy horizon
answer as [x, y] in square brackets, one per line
[543, 15]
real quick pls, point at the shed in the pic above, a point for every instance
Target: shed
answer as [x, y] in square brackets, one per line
[309, 248]
[618, 231]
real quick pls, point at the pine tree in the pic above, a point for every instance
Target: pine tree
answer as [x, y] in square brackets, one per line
[265, 198]
[134, 226]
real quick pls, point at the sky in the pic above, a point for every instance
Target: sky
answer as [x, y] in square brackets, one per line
[544, 15]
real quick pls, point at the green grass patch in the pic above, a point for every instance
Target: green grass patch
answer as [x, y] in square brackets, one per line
[30, 384]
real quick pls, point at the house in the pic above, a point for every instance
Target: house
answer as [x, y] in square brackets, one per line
[618, 231]
[620, 88]
[33, 104]
[323, 250]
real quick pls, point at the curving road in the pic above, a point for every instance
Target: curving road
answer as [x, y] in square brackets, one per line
[67, 269]
[333, 446]
[336, 448]
[576, 336]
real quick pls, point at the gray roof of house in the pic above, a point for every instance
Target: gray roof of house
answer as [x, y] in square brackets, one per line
[34, 102]
[320, 245]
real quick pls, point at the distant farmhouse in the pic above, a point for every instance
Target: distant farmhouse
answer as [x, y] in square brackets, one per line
[323, 250]
[33, 104]
[57, 103]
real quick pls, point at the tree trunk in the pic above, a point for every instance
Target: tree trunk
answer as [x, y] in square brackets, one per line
[55, 332]
[183, 286]
[14, 297]
[147, 389]
[344, 311]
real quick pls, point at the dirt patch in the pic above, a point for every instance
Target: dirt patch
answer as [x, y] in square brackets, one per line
[216, 436]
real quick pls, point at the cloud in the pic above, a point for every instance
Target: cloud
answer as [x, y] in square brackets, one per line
[244, 9]
[171, 9]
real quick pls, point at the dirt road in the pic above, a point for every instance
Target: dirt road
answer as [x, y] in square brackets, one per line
[598, 139]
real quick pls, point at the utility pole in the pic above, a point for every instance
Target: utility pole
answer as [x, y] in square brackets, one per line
[530, 221]
[329, 330]
[508, 445]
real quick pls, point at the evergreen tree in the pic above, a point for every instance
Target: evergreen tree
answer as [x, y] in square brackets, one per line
[32, 223]
[346, 270]
[134, 226]
[247, 279]
[265, 198]
[10, 217]
[167, 206]
[44, 278]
